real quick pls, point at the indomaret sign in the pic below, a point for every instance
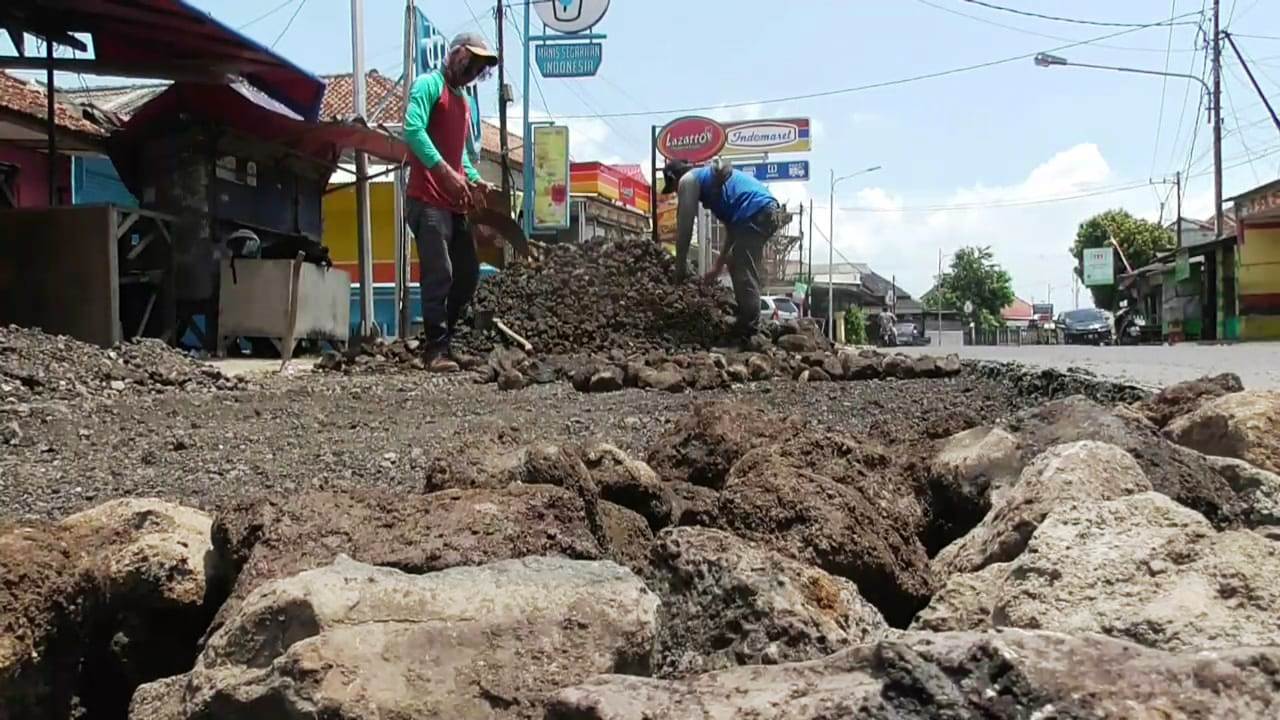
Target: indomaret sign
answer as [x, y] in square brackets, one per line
[753, 137]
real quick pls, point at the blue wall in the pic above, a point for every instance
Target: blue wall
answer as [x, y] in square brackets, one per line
[94, 182]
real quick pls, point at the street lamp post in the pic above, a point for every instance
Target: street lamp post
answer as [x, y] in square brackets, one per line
[831, 247]
[1048, 60]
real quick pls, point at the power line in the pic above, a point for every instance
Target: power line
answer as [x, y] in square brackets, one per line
[267, 14]
[1231, 104]
[289, 24]
[1003, 204]
[1025, 31]
[534, 75]
[1186, 91]
[1056, 18]
[1256, 37]
[1164, 86]
[870, 86]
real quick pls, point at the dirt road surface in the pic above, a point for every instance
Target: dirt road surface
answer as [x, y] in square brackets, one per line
[317, 430]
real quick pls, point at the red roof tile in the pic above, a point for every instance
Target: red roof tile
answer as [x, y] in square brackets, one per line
[1019, 309]
[24, 98]
[384, 99]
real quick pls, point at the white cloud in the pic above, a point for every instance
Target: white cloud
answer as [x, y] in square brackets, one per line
[896, 235]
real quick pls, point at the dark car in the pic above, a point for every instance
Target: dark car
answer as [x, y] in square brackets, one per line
[909, 334]
[1088, 327]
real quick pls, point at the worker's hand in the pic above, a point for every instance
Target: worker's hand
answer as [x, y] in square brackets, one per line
[453, 185]
[482, 185]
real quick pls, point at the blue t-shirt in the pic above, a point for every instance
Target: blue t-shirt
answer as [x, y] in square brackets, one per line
[738, 200]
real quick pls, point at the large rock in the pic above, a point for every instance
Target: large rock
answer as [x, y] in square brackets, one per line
[630, 483]
[925, 676]
[1075, 472]
[272, 537]
[1183, 398]
[1181, 474]
[966, 472]
[832, 504]
[627, 537]
[704, 444]
[1243, 425]
[358, 642]
[101, 602]
[1257, 491]
[727, 602]
[1142, 568]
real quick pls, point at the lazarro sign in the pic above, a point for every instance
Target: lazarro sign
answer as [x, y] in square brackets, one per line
[752, 137]
[692, 138]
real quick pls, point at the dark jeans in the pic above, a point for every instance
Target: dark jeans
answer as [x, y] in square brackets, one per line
[746, 257]
[449, 269]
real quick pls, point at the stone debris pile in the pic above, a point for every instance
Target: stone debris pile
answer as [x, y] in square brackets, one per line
[600, 296]
[38, 366]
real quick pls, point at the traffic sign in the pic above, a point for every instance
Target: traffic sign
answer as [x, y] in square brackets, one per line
[569, 60]
[776, 171]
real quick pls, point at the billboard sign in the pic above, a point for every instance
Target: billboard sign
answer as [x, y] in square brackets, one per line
[571, 16]
[550, 177]
[569, 60]
[1042, 310]
[1099, 266]
[776, 171]
[692, 138]
[753, 137]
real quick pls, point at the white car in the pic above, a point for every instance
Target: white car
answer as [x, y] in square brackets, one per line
[778, 308]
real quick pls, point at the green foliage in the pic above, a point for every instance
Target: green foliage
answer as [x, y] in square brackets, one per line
[974, 277]
[855, 326]
[1139, 240]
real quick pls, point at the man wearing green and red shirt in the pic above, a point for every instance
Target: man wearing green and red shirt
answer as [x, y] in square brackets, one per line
[441, 177]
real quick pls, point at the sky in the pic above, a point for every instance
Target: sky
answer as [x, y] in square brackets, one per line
[978, 157]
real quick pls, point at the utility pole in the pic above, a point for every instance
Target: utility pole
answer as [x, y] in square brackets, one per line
[800, 268]
[503, 99]
[1177, 189]
[809, 276]
[363, 228]
[937, 295]
[831, 261]
[51, 122]
[403, 274]
[1217, 123]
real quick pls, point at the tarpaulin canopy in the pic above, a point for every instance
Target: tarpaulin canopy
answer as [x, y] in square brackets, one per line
[243, 109]
[156, 39]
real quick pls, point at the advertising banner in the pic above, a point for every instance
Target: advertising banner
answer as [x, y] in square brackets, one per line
[753, 137]
[550, 177]
[692, 138]
[1099, 266]
[568, 60]
[571, 16]
[776, 171]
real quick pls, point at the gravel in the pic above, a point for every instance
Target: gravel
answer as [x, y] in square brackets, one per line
[333, 431]
[37, 366]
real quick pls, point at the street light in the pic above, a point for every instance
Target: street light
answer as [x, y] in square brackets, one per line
[1048, 60]
[831, 247]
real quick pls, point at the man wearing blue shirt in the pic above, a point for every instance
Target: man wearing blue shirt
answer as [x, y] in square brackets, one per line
[750, 214]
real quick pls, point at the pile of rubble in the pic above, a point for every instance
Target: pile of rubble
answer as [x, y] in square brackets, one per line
[601, 296]
[1072, 560]
[34, 365]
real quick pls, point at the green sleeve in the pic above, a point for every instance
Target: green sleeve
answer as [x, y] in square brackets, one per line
[468, 165]
[422, 97]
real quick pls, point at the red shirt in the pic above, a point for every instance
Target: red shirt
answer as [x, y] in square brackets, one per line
[447, 128]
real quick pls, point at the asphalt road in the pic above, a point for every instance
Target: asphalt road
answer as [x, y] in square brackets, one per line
[1257, 364]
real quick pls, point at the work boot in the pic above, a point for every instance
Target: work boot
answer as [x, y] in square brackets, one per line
[438, 361]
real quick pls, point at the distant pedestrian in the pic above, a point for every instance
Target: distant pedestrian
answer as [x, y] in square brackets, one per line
[751, 216]
[437, 125]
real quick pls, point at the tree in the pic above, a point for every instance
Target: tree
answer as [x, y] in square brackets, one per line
[855, 326]
[1139, 240]
[975, 277]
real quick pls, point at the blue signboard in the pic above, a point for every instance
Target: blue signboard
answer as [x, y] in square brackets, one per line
[776, 171]
[569, 60]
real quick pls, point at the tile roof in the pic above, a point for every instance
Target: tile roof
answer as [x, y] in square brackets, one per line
[384, 98]
[1019, 309]
[23, 98]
